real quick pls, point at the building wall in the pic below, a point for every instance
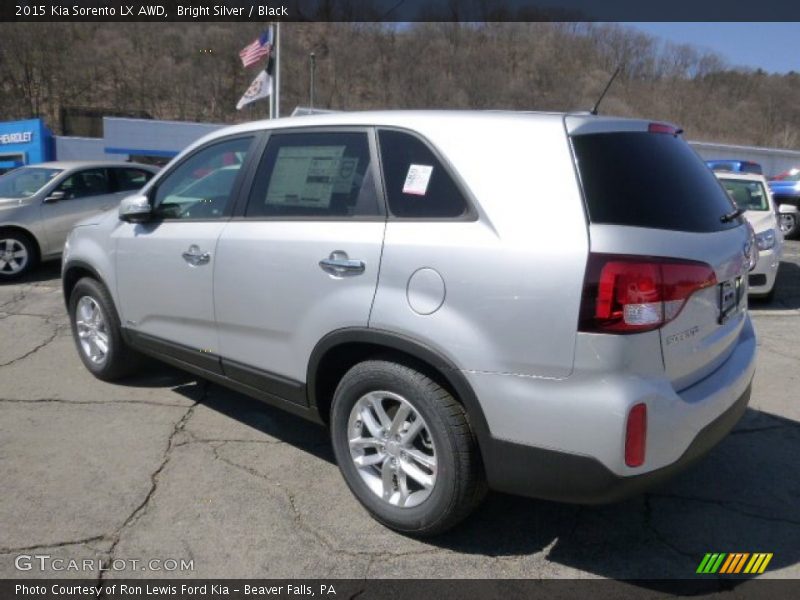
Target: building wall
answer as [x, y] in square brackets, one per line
[79, 148]
[145, 137]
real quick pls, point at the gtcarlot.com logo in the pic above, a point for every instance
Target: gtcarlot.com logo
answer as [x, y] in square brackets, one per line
[732, 563]
[44, 562]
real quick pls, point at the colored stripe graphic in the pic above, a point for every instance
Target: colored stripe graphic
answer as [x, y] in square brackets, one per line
[734, 562]
[711, 563]
[758, 563]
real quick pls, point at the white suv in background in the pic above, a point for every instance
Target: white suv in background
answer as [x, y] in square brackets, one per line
[751, 194]
[544, 304]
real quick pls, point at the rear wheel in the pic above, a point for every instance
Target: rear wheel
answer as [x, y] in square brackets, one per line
[405, 448]
[18, 254]
[97, 334]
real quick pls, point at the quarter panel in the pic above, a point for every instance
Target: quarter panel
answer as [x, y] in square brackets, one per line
[514, 277]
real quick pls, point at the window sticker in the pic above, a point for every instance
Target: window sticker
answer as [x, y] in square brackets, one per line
[308, 176]
[417, 179]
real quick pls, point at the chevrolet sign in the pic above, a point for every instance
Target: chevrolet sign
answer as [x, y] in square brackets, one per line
[21, 137]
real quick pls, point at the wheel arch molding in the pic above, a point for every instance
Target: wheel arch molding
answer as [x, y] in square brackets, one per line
[73, 271]
[339, 350]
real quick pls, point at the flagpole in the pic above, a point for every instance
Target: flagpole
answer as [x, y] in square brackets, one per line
[277, 78]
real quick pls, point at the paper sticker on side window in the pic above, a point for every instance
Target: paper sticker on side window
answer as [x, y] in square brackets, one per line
[417, 179]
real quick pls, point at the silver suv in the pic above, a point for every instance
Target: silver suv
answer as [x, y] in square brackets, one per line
[543, 304]
[40, 204]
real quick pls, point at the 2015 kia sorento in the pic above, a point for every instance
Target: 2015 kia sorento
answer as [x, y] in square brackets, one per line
[544, 304]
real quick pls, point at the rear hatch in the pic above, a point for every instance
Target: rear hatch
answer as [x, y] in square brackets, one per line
[666, 251]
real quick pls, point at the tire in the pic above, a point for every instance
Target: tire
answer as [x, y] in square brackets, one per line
[18, 254]
[790, 225]
[95, 327]
[440, 449]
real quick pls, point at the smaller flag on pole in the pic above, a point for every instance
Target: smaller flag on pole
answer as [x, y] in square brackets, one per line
[257, 50]
[260, 88]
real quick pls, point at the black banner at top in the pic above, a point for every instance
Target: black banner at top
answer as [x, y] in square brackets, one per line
[399, 10]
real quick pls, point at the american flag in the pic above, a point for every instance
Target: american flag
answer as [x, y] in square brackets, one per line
[260, 48]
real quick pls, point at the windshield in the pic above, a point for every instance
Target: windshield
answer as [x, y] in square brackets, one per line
[748, 195]
[790, 175]
[26, 181]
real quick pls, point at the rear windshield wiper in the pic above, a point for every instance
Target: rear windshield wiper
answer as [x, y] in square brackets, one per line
[727, 218]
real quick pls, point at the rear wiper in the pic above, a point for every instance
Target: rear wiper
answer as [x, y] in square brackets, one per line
[727, 218]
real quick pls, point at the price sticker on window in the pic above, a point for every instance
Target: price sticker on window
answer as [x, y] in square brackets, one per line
[417, 179]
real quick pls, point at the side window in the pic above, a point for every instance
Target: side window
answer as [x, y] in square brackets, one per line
[417, 185]
[91, 182]
[131, 179]
[315, 175]
[201, 187]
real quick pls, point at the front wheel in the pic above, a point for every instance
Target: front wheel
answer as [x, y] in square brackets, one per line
[405, 448]
[96, 330]
[790, 226]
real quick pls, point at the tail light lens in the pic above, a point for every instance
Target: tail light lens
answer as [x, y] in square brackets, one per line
[636, 436]
[631, 294]
[663, 128]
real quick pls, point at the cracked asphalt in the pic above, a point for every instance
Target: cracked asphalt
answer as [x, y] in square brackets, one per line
[167, 466]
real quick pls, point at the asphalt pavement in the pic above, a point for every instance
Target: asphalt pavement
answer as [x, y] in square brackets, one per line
[165, 467]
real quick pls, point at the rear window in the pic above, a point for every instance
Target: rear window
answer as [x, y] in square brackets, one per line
[649, 180]
[748, 195]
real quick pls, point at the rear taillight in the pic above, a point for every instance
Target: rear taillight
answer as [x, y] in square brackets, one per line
[636, 436]
[630, 294]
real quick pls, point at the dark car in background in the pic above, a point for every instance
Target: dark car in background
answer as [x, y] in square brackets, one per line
[785, 189]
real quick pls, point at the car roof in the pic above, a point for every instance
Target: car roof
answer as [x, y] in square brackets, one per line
[408, 118]
[740, 176]
[88, 164]
[423, 121]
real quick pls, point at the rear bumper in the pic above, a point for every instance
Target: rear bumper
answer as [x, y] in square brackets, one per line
[564, 477]
[564, 440]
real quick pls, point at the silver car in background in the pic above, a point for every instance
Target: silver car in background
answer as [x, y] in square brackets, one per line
[552, 305]
[40, 204]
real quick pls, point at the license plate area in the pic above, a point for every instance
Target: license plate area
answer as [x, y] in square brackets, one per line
[730, 293]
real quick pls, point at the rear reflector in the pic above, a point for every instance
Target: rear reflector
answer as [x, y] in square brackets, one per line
[630, 294]
[636, 436]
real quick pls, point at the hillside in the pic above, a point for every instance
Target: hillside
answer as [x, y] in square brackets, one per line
[191, 71]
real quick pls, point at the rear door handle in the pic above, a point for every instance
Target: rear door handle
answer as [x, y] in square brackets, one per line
[339, 264]
[194, 257]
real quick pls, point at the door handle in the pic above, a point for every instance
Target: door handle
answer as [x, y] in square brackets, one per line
[194, 257]
[339, 264]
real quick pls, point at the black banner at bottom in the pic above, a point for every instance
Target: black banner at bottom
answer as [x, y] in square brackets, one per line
[394, 589]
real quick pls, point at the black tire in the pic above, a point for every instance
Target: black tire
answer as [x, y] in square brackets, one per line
[794, 230]
[120, 360]
[17, 240]
[460, 481]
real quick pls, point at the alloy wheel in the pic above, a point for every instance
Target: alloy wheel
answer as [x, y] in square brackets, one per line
[92, 330]
[13, 256]
[787, 222]
[392, 448]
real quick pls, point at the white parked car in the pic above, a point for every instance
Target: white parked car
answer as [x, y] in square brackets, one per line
[751, 194]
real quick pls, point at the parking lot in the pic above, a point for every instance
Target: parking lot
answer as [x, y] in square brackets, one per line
[166, 467]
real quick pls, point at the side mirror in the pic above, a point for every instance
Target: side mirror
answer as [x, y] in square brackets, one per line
[55, 196]
[788, 209]
[135, 209]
